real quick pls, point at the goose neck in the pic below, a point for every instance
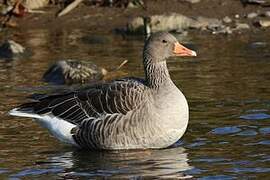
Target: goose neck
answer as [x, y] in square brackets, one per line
[156, 72]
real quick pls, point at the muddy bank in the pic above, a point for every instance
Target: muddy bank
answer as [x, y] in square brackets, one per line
[107, 19]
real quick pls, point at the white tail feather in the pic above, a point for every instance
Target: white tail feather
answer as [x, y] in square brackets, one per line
[58, 127]
[15, 112]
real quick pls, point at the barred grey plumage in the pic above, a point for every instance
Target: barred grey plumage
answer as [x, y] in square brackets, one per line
[74, 72]
[129, 113]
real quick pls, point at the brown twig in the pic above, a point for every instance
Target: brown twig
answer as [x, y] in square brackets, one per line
[71, 6]
[121, 65]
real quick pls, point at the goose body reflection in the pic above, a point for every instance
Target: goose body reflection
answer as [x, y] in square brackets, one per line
[166, 163]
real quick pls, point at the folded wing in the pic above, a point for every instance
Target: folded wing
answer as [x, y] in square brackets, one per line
[118, 97]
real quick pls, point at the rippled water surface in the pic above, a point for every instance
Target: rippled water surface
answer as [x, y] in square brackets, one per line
[227, 87]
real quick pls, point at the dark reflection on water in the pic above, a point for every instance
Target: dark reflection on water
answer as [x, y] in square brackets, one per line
[71, 164]
[227, 87]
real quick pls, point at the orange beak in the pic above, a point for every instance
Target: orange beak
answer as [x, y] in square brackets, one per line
[180, 50]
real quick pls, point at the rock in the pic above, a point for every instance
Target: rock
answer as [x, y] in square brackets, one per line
[226, 19]
[5, 9]
[10, 49]
[241, 26]
[35, 4]
[135, 4]
[180, 23]
[263, 23]
[266, 14]
[73, 72]
[252, 15]
[135, 26]
[182, 33]
[213, 25]
[173, 22]
[256, 2]
[258, 44]
[191, 1]
[206, 23]
[24, 6]
[225, 30]
[237, 16]
[170, 22]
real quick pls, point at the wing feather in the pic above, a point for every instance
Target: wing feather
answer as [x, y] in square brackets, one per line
[118, 97]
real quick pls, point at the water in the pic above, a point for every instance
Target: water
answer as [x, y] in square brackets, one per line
[227, 87]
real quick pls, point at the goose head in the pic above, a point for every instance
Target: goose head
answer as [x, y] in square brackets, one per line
[160, 46]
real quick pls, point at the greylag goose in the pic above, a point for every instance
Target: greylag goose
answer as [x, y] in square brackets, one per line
[129, 113]
[72, 71]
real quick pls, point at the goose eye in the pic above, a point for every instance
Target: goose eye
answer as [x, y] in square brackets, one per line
[164, 41]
